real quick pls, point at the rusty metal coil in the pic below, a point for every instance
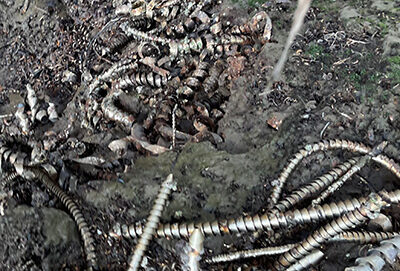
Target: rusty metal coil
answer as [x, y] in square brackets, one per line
[307, 151]
[339, 183]
[152, 223]
[265, 222]
[210, 84]
[311, 189]
[73, 209]
[393, 196]
[323, 234]
[376, 258]
[311, 259]
[244, 254]
[201, 70]
[363, 237]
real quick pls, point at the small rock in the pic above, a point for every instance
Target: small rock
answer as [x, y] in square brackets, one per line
[349, 13]
[69, 77]
[276, 119]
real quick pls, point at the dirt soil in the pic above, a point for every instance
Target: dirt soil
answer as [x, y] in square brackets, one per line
[342, 80]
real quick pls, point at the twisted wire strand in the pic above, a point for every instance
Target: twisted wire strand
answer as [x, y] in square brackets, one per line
[340, 182]
[314, 187]
[266, 222]
[244, 254]
[376, 258]
[349, 220]
[151, 224]
[307, 151]
[73, 209]
[363, 237]
[311, 259]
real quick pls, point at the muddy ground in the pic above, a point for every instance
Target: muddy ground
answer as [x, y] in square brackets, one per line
[343, 73]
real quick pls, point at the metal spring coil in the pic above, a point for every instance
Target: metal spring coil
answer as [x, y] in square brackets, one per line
[387, 162]
[73, 209]
[117, 42]
[250, 253]
[15, 158]
[339, 183]
[8, 179]
[377, 257]
[141, 23]
[116, 69]
[307, 151]
[150, 79]
[363, 237]
[314, 187]
[323, 234]
[143, 36]
[211, 82]
[112, 112]
[311, 259]
[152, 223]
[266, 222]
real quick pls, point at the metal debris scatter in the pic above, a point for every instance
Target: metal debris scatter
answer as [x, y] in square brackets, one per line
[132, 84]
[177, 59]
[346, 214]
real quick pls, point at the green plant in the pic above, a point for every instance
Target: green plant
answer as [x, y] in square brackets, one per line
[394, 69]
[315, 51]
